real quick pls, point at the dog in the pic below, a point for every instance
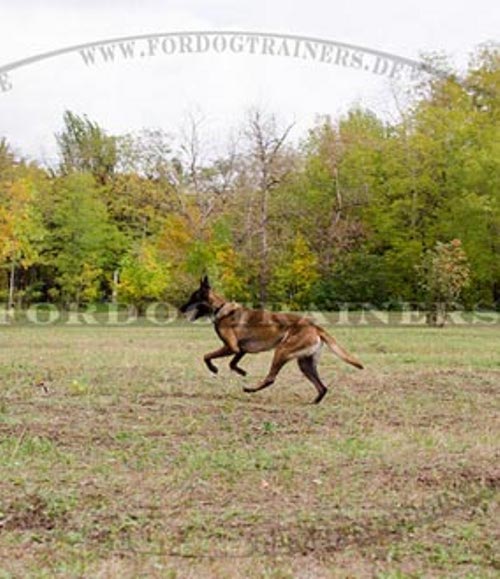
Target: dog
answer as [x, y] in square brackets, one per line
[246, 331]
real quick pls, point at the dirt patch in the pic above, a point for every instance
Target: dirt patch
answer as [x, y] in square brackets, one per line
[33, 513]
[431, 476]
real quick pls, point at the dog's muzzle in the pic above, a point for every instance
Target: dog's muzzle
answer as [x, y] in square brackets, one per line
[190, 312]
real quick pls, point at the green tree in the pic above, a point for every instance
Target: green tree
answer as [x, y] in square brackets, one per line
[85, 147]
[84, 247]
[443, 275]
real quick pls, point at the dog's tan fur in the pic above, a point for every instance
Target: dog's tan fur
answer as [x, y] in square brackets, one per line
[246, 331]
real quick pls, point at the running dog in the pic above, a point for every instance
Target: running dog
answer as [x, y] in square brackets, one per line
[246, 331]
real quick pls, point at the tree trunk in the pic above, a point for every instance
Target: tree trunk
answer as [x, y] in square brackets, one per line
[114, 291]
[264, 248]
[337, 207]
[12, 281]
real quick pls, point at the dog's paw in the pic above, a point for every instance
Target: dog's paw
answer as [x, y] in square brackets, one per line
[211, 367]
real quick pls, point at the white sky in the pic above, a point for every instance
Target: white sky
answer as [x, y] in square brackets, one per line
[158, 92]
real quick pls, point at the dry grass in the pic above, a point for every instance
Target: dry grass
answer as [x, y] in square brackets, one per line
[132, 460]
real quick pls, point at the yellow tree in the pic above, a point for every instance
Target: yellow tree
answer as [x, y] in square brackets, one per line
[21, 229]
[144, 276]
[295, 277]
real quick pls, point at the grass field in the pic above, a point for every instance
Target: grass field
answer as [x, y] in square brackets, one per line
[133, 461]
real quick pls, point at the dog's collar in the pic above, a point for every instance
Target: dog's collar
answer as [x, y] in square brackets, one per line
[217, 310]
[224, 310]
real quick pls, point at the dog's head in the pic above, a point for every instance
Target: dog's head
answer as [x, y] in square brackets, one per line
[198, 304]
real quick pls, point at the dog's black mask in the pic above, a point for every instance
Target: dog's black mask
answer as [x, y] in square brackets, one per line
[198, 304]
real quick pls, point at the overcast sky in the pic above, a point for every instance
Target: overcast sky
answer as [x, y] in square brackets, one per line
[158, 92]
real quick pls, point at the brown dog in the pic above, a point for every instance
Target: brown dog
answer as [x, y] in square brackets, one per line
[246, 331]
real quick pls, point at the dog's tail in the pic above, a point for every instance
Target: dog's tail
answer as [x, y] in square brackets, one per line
[337, 349]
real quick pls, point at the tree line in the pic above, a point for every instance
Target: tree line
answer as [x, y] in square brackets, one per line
[353, 211]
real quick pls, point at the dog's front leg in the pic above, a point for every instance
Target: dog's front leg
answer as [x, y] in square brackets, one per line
[234, 364]
[220, 353]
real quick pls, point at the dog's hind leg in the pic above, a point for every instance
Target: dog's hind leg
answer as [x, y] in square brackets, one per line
[279, 360]
[222, 352]
[307, 364]
[234, 364]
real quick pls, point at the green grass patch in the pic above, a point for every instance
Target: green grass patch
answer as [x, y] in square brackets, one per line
[121, 456]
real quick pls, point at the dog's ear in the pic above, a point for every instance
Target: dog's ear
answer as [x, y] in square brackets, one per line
[205, 284]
